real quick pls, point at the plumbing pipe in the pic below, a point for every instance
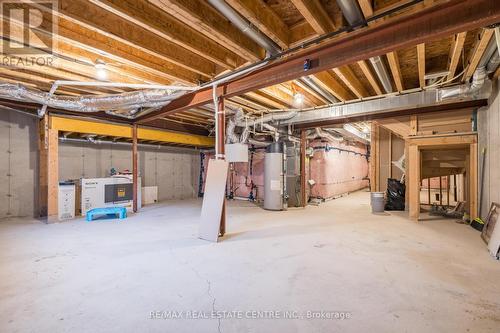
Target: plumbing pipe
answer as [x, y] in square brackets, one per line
[120, 143]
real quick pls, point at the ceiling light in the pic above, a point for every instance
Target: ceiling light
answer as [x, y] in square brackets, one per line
[101, 72]
[298, 98]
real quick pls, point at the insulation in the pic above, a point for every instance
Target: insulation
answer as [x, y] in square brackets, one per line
[339, 170]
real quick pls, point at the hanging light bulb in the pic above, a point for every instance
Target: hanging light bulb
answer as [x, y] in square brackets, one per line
[101, 72]
[298, 99]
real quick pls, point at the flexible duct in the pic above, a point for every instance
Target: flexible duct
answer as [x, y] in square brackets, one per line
[129, 101]
[319, 133]
[271, 117]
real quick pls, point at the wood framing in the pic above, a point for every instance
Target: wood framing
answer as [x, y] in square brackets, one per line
[393, 34]
[109, 129]
[264, 18]
[421, 64]
[482, 40]
[457, 47]
[370, 77]
[303, 180]
[48, 171]
[135, 169]
[315, 15]
[393, 59]
[466, 141]
[350, 80]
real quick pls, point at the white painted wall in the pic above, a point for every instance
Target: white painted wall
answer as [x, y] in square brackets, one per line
[174, 171]
[489, 138]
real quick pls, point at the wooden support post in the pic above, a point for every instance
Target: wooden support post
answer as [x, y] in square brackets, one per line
[429, 190]
[473, 179]
[135, 177]
[440, 190]
[303, 182]
[455, 188]
[374, 158]
[48, 170]
[448, 190]
[414, 181]
[221, 141]
[413, 125]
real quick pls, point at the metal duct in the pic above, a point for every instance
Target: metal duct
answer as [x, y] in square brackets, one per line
[307, 80]
[267, 43]
[463, 90]
[130, 102]
[351, 11]
[379, 104]
[245, 26]
[355, 17]
[382, 73]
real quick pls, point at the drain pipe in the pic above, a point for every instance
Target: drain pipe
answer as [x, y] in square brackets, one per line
[354, 17]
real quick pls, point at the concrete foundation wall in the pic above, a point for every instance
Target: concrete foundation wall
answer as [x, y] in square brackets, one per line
[174, 171]
[18, 164]
[489, 138]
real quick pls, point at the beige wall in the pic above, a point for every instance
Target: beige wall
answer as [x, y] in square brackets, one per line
[489, 138]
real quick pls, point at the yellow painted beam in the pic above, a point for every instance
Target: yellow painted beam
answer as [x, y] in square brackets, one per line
[125, 131]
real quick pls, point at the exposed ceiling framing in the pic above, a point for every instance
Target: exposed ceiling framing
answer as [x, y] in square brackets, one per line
[189, 42]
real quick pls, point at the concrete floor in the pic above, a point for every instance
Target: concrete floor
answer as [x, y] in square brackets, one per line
[387, 273]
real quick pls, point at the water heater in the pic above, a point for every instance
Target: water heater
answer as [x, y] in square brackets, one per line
[274, 176]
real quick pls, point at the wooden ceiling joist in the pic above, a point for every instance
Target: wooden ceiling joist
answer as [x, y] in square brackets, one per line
[310, 95]
[421, 64]
[400, 32]
[74, 36]
[315, 15]
[457, 47]
[199, 15]
[113, 26]
[365, 68]
[264, 18]
[328, 82]
[482, 40]
[393, 59]
[157, 21]
[366, 8]
[350, 80]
